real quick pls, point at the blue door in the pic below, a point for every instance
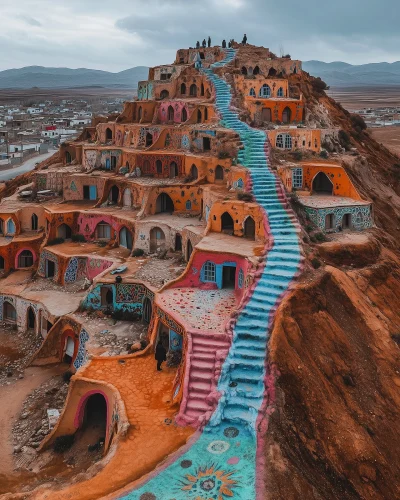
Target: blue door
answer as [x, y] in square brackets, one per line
[108, 164]
[92, 193]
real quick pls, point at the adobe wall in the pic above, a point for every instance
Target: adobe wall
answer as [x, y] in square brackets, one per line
[302, 138]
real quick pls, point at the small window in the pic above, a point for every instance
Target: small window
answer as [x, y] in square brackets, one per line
[252, 92]
[284, 141]
[25, 259]
[188, 205]
[280, 92]
[34, 222]
[297, 178]
[159, 167]
[209, 272]
[10, 226]
[265, 91]
[103, 231]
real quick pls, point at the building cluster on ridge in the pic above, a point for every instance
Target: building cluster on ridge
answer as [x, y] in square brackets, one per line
[165, 176]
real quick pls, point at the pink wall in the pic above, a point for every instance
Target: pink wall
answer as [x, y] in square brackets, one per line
[178, 107]
[96, 266]
[87, 225]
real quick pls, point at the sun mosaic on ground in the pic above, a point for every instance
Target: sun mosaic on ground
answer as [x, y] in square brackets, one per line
[173, 222]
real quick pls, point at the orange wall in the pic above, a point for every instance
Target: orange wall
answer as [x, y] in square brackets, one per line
[307, 139]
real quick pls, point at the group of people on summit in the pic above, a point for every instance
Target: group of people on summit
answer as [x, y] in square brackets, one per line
[207, 43]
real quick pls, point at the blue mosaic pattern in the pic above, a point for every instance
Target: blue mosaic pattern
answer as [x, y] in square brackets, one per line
[81, 357]
[45, 255]
[72, 270]
[360, 216]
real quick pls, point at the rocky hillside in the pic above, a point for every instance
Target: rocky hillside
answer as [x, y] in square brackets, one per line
[334, 350]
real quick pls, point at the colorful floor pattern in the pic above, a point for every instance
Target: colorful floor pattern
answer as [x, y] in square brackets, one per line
[221, 462]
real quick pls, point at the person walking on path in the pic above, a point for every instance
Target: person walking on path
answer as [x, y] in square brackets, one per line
[160, 355]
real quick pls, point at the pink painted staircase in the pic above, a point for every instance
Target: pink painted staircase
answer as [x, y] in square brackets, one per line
[206, 353]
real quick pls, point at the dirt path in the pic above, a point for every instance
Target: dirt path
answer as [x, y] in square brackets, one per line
[12, 397]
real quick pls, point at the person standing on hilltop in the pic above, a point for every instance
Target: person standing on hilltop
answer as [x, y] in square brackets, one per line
[197, 45]
[244, 41]
[204, 43]
[209, 41]
[224, 44]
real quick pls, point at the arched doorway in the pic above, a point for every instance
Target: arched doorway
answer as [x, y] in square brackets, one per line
[194, 172]
[95, 416]
[171, 114]
[184, 116]
[34, 222]
[219, 173]
[9, 312]
[149, 139]
[189, 249]
[199, 116]
[202, 89]
[25, 259]
[31, 319]
[164, 94]
[159, 167]
[178, 243]
[64, 232]
[125, 238]
[243, 70]
[329, 222]
[272, 72]
[113, 195]
[173, 170]
[127, 198]
[286, 115]
[68, 350]
[183, 89]
[256, 71]
[147, 310]
[226, 223]
[68, 157]
[109, 134]
[250, 228]
[322, 184]
[346, 221]
[164, 204]
[106, 296]
[157, 240]
[193, 90]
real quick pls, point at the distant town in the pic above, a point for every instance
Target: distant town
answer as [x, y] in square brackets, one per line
[32, 128]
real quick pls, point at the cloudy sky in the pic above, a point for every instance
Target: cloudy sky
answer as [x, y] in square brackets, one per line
[118, 34]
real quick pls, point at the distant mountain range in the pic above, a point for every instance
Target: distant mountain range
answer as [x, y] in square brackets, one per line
[340, 74]
[337, 74]
[39, 76]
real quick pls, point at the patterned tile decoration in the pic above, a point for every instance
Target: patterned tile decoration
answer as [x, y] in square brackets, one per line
[72, 270]
[175, 341]
[360, 216]
[239, 184]
[185, 142]
[129, 293]
[81, 272]
[73, 186]
[81, 357]
[168, 321]
[45, 255]
[149, 294]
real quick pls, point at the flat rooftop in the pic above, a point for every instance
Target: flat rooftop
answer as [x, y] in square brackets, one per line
[326, 201]
[224, 243]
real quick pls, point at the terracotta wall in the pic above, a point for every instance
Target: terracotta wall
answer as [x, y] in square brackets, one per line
[186, 199]
[256, 107]
[302, 138]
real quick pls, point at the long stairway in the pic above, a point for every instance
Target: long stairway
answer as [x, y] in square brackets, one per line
[223, 461]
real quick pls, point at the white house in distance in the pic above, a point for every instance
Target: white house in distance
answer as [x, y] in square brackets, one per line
[16, 147]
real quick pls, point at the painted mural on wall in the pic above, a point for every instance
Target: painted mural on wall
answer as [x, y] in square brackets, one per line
[360, 217]
[82, 356]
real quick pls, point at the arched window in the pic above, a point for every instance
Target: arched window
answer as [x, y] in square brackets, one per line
[280, 92]
[109, 134]
[205, 114]
[64, 232]
[322, 184]
[10, 227]
[1, 263]
[256, 71]
[173, 170]
[149, 139]
[199, 116]
[208, 273]
[252, 92]
[157, 239]
[286, 115]
[159, 167]
[31, 319]
[284, 141]
[219, 173]
[113, 195]
[164, 204]
[250, 228]
[202, 89]
[183, 89]
[272, 72]
[188, 205]
[103, 231]
[146, 166]
[1, 226]
[164, 94]
[171, 114]
[127, 198]
[9, 312]
[68, 157]
[113, 162]
[140, 113]
[265, 91]
[193, 90]
[244, 70]
[297, 178]
[25, 259]
[34, 222]
[184, 115]
[189, 249]
[194, 171]
[226, 222]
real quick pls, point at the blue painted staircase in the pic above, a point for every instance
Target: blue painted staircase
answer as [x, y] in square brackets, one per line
[224, 456]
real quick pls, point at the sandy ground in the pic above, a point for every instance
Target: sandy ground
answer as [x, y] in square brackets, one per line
[388, 136]
[353, 98]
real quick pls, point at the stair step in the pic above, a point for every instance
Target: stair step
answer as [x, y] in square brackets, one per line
[197, 386]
